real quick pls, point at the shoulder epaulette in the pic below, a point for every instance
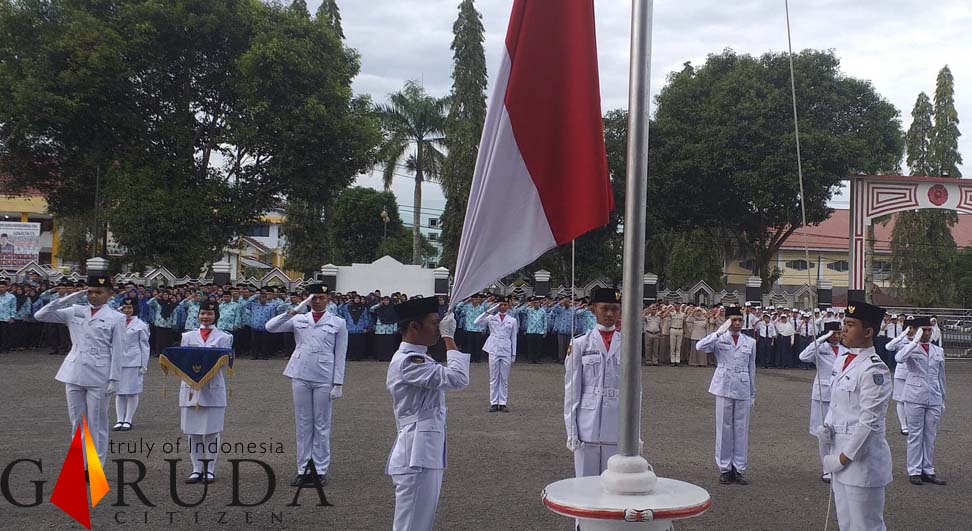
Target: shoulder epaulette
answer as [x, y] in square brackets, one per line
[416, 359]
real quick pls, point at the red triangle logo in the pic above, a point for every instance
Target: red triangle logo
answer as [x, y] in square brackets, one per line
[70, 492]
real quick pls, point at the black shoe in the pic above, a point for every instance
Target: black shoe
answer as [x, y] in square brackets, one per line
[503, 409]
[210, 478]
[915, 480]
[493, 408]
[309, 480]
[933, 479]
[127, 426]
[904, 432]
[725, 478]
[194, 478]
[118, 426]
[825, 478]
[298, 480]
[740, 479]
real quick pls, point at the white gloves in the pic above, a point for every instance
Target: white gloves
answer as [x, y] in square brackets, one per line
[825, 437]
[72, 297]
[142, 370]
[831, 464]
[447, 326]
[336, 391]
[493, 308]
[724, 328]
[823, 339]
[303, 306]
[112, 387]
[573, 443]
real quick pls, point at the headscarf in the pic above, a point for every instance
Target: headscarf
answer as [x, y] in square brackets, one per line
[386, 313]
[166, 306]
[355, 309]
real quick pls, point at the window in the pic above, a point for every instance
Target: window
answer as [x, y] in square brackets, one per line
[800, 265]
[434, 223]
[748, 265]
[46, 225]
[258, 231]
[433, 236]
[881, 266]
[840, 266]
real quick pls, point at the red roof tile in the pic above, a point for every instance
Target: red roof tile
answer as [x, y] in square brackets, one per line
[833, 233]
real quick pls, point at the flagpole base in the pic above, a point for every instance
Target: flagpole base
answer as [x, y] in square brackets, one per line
[628, 474]
[597, 509]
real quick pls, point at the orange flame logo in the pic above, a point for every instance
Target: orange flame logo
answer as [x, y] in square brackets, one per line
[70, 492]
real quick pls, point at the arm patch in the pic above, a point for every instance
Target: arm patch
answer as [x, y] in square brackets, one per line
[417, 359]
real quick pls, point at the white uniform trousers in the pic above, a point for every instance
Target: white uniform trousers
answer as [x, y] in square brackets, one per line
[591, 459]
[312, 414]
[818, 412]
[859, 508]
[899, 387]
[922, 429]
[732, 434]
[92, 403]
[676, 345]
[416, 497]
[499, 379]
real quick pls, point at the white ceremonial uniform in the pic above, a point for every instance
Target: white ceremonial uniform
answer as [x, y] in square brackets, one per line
[501, 346]
[316, 365]
[823, 357]
[592, 383]
[135, 357]
[858, 405]
[134, 360]
[97, 347]
[203, 412]
[900, 378]
[734, 386]
[924, 400]
[417, 385]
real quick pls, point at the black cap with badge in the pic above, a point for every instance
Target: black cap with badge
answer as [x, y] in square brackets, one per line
[868, 314]
[832, 326]
[733, 311]
[921, 321]
[316, 289]
[99, 281]
[417, 309]
[608, 295]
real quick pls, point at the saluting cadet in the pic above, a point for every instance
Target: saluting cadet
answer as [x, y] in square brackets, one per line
[853, 436]
[765, 335]
[191, 306]
[901, 371]
[316, 372]
[134, 365]
[734, 386]
[783, 353]
[749, 320]
[592, 382]
[91, 370]
[536, 327]
[229, 315]
[822, 353]
[924, 401]
[203, 412]
[500, 348]
[386, 325]
[475, 333]
[417, 385]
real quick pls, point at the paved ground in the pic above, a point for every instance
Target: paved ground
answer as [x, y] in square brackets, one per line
[499, 463]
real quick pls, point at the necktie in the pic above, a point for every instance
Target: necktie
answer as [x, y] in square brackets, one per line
[317, 316]
[204, 332]
[850, 358]
[607, 337]
[735, 340]
[925, 347]
[94, 311]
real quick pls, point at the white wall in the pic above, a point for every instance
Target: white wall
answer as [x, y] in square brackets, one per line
[388, 275]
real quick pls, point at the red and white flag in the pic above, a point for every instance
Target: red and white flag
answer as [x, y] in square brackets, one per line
[541, 178]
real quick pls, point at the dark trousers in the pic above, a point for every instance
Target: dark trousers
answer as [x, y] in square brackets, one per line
[259, 343]
[474, 345]
[357, 346]
[242, 339]
[563, 341]
[385, 346]
[6, 335]
[534, 347]
[764, 351]
[783, 352]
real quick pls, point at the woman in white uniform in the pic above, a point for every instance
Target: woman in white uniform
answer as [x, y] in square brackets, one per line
[134, 365]
[203, 412]
[822, 353]
[901, 371]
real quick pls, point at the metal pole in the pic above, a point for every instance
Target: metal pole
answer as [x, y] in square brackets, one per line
[639, 85]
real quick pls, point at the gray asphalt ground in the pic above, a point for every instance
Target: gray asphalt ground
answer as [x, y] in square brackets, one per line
[498, 463]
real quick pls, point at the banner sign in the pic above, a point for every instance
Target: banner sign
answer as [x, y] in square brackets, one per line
[19, 244]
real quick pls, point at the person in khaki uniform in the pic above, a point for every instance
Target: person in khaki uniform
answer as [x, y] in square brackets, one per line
[666, 330]
[677, 318]
[652, 335]
[697, 331]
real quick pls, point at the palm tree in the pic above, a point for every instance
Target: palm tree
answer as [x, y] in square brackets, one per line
[413, 124]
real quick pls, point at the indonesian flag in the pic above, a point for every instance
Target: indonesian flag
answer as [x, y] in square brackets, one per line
[541, 178]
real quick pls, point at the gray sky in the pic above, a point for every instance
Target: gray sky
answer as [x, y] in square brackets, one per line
[899, 45]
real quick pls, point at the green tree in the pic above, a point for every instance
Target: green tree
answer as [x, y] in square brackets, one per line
[199, 116]
[464, 124]
[305, 230]
[923, 250]
[943, 147]
[695, 255]
[330, 13]
[413, 123]
[963, 277]
[357, 232]
[726, 153]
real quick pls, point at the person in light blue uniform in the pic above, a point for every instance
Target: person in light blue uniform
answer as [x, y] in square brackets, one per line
[359, 322]
[260, 310]
[475, 333]
[386, 326]
[8, 308]
[535, 320]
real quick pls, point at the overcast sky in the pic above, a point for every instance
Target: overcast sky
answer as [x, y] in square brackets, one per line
[899, 45]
